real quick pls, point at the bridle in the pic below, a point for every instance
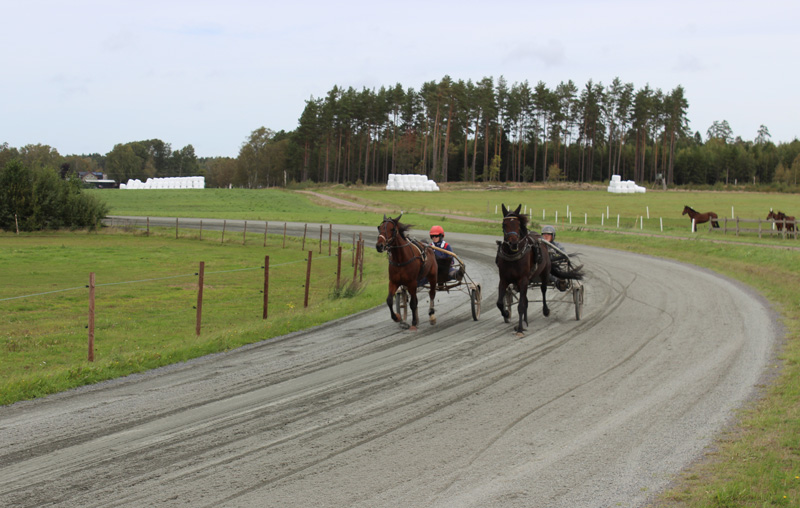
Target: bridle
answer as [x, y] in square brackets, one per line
[391, 243]
[514, 253]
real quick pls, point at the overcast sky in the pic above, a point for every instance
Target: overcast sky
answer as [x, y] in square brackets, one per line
[82, 76]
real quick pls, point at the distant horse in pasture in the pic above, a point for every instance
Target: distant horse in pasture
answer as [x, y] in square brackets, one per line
[781, 219]
[700, 218]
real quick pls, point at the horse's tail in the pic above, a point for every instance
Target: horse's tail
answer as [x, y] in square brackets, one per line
[574, 272]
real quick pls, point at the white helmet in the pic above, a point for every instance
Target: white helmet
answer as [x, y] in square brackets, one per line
[549, 230]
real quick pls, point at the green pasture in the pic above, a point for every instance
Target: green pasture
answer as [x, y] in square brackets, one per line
[145, 301]
[756, 463]
[654, 212]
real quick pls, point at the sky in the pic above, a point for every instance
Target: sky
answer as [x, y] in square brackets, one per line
[84, 75]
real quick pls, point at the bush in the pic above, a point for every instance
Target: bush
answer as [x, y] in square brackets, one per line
[38, 199]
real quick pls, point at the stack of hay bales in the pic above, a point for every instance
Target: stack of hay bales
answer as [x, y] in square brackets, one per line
[627, 187]
[411, 183]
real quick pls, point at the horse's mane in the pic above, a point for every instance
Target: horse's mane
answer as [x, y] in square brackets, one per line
[690, 208]
[403, 228]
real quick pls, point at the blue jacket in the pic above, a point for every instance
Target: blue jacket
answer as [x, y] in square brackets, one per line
[443, 245]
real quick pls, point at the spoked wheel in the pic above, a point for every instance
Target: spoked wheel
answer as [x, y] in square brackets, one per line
[577, 295]
[508, 302]
[401, 303]
[475, 302]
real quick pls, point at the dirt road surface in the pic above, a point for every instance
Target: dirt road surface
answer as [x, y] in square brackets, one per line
[359, 413]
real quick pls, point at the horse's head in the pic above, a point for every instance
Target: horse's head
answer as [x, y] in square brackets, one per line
[388, 232]
[514, 227]
[685, 210]
[771, 215]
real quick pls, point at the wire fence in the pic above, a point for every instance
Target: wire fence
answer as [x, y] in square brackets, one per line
[125, 319]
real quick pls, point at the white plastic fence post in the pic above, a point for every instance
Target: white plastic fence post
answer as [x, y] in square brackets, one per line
[661, 220]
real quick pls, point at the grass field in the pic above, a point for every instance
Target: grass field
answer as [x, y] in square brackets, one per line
[655, 212]
[755, 464]
[145, 298]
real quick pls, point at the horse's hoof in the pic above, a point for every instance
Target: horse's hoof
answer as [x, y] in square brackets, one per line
[395, 318]
[433, 320]
[519, 334]
[412, 329]
[403, 325]
[546, 312]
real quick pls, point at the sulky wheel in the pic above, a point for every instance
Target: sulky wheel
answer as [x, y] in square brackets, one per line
[577, 295]
[475, 302]
[401, 303]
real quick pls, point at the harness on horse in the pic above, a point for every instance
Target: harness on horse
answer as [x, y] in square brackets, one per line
[528, 242]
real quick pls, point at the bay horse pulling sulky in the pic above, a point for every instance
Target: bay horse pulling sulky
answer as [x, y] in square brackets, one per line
[781, 219]
[522, 258]
[700, 218]
[410, 262]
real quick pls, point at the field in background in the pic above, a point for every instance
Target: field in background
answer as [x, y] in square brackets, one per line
[568, 209]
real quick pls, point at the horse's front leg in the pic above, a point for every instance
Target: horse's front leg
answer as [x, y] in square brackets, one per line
[522, 309]
[501, 296]
[413, 304]
[431, 310]
[390, 301]
[545, 308]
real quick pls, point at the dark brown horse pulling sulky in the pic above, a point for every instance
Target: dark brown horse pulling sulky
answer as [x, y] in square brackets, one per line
[521, 258]
[409, 263]
[700, 218]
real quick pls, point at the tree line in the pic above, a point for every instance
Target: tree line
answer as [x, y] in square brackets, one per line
[455, 130]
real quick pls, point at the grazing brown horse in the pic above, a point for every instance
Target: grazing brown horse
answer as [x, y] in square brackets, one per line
[521, 258]
[700, 218]
[781, 219]
[409, 263]
[774, 217]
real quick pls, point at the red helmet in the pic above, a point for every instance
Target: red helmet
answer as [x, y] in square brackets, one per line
[437, 230]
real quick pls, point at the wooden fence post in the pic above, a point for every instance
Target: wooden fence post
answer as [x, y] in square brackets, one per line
[305, 231]
[91, 317]
[338, 266]
[244, 233]
[266, 228]
[201, 230]
[284, 235]
[224, 224]
[330, 237]
[176, 228]
[356, 254]
[266, 287]
[320, 238]
[308, 278]
[148, 226]
[361, 263]
[200, 296]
